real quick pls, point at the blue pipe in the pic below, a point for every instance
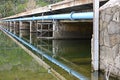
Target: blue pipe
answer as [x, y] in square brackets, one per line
[71, 16]
[63, 66]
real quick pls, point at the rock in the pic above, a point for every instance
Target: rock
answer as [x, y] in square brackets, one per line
[117, 61]
[119, 74]
[114, 39]
[106, 38]
[101, 25]
[113, 28]
[108, 18]
[101, 38]
[102, 66]
[109, 55]
[116, 17]
[115, 51]
[110, 36]
[102, 16]
[108, 11]
[119, 48]
[102, 52]
[105, 25]
[114, 70]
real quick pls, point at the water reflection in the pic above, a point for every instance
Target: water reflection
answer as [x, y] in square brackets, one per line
[16, 64]
[74, 53]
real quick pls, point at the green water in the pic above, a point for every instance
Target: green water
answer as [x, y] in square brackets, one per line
[75, 54]
[16, 64]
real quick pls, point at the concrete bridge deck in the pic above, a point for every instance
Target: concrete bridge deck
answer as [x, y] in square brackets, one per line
[65, 6]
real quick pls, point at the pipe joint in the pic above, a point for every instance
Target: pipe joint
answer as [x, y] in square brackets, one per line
[71, 14]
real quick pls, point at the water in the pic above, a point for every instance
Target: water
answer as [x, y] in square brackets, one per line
[16, 64]
[74, 53]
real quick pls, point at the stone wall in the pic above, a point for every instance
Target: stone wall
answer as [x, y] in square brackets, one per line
[110, 37]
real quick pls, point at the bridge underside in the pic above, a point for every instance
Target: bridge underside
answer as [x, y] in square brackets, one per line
[53, 29]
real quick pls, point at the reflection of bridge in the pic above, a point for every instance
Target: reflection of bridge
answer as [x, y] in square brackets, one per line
[49, 22]
[66, 51]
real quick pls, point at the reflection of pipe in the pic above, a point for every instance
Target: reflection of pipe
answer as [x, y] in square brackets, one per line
[63, 66]
[71, 16]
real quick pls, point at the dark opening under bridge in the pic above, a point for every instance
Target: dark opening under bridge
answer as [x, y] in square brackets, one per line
[59, 21]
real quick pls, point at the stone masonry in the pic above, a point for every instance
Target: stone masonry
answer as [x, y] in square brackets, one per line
[110, 37]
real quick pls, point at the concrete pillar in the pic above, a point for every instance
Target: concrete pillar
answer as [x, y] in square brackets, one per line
[6, 26]
[24, 29]
[33, 30]
[95, 42]
[14, 25]
[17, 27]
[20, 25]
[55, 48]
[30, 32]
[10, 26]
[55, 28]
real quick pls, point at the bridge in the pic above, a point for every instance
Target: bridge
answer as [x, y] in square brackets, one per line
[69, 19]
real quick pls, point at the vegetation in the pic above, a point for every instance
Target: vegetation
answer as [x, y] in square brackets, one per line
[11, 7]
